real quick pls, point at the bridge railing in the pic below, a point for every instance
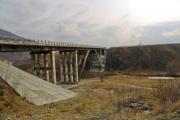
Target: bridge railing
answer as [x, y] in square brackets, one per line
[40, 42]
[57, 43]
[37, 42]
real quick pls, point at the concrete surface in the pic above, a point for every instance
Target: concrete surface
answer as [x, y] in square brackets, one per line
[32, 88]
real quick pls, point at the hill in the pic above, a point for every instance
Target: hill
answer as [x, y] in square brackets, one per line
[150, 57]
[8, 35]
[12, 56]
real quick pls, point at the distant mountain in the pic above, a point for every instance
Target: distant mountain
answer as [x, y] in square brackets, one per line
[150, 57]
[8, 35]
[12, 55]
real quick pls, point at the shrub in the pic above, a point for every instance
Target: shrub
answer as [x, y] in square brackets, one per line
[167, 91]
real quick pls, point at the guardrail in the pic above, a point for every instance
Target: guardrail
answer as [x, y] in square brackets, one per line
[43, 42]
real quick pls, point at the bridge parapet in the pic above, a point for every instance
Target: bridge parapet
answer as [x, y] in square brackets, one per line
[27, 42]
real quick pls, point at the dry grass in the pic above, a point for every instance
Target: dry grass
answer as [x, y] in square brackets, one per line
[131, 80]
[167, 90]
[167, 94]
[96, 99]
[6, 96]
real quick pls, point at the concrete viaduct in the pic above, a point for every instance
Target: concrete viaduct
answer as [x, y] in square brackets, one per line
[58, 62]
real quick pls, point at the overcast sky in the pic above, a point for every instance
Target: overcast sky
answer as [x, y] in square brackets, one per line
[97, 22]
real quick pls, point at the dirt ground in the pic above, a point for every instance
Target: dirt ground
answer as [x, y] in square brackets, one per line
[119, 97]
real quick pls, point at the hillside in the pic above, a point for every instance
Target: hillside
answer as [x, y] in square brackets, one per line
[8, 35]
[153, 58]
[12, 56]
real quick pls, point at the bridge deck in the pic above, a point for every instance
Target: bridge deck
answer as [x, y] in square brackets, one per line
[7, 45]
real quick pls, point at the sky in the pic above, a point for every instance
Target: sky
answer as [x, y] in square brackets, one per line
[106, 23]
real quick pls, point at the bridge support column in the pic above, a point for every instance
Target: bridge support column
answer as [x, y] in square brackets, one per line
[71, 67]
[61, 67]
[33, 60]
[38, 65]
[46, 69]
[101, 59]
[76, 66]
[41, 65]
[66, 67]
[84, 62]
[71, 64]
[53, 66]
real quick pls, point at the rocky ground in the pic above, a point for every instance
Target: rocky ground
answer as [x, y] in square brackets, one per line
[117, 98]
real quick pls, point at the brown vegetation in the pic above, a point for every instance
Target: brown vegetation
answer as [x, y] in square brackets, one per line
[164, 58]
[167, 93]
[118, 97]
[6, 95]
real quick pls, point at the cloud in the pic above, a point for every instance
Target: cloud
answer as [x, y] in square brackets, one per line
[87, 22]
[161, 33]
[96, 22]
[174, 33]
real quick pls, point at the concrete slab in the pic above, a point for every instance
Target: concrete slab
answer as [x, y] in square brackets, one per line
[34, 89]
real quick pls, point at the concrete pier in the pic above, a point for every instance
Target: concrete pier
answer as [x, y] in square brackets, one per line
[53, 66]
[46, 67]
[66, 67]
[76, 67]
[71, 68]
[61, 68]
